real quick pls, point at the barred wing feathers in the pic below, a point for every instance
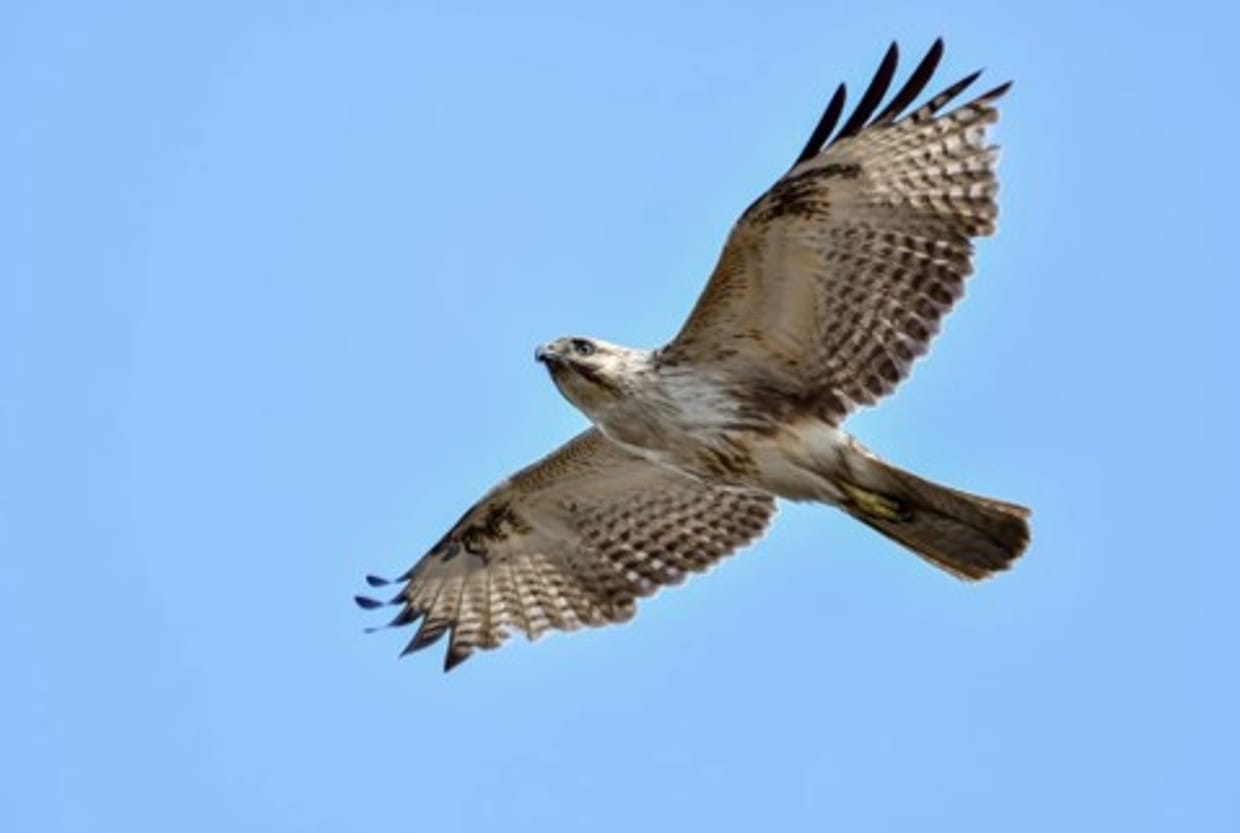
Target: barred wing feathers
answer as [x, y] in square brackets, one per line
[835, 281]
[571, 541]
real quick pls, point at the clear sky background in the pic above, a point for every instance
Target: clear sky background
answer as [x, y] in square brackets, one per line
[270, 280]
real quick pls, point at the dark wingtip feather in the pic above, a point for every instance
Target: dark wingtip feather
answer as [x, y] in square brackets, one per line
[367, 603]
[998, 92]
[377, 581]
[455, 656]
[941, 100]
[825, 125]
[429, 632]
[406, 616]
[914, 85]
[873, 94]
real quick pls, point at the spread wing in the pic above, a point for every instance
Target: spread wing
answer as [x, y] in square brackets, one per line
[571, 540]
[835, 280]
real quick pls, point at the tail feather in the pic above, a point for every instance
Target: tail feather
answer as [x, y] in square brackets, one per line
[969, 536]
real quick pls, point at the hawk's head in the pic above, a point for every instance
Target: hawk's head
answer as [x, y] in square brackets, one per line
[592, 374]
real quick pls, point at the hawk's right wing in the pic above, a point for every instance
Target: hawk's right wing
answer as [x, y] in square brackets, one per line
[571, 540]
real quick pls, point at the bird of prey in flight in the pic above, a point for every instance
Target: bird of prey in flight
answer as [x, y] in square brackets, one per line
[828, 288]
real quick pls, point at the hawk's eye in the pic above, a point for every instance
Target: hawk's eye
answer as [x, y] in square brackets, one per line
[582, 347]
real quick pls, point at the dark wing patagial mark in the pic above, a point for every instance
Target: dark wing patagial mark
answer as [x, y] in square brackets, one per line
[800, 193]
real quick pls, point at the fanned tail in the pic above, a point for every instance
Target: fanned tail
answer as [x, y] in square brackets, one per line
[969, 536]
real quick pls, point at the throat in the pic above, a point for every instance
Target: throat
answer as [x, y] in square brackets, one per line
[633, 426]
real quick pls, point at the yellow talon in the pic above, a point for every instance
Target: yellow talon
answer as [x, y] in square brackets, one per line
[872, 503]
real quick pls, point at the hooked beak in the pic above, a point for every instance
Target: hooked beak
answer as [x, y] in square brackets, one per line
[545, 354]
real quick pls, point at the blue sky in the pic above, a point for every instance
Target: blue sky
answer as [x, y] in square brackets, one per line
[270, 279]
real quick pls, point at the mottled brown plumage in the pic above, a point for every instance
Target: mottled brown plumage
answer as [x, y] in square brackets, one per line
[828, 289]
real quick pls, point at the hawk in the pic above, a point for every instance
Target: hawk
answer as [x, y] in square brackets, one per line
[828, 289]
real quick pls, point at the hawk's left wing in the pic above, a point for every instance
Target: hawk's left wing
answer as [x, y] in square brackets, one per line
[836, 279]
[571, 540]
